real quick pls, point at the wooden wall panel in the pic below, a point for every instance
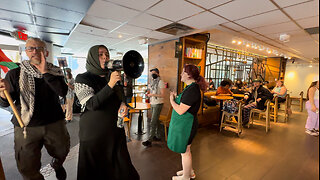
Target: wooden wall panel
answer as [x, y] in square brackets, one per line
[273, 69]
[162, 56]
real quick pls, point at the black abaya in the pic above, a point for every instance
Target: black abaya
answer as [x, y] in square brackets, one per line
[103, 150]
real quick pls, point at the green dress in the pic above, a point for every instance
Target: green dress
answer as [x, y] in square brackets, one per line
[180, 128]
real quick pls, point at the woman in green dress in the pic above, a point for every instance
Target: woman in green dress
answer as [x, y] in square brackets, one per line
[184, 123]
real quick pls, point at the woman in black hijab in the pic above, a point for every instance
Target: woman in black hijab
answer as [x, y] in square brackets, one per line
[103, 152]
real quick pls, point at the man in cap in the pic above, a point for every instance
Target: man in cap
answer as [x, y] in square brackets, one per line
[156, 87]
[255, 99]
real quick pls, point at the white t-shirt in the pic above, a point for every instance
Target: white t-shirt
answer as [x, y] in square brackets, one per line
[157, 100]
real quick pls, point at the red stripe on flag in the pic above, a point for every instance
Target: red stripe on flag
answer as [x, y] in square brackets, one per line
[3, 57]
[4, 69]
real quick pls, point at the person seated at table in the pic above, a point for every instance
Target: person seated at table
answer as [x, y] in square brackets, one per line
[224, 88]
[238, 88]
[255, 99]
[211, 85]
[281, 91]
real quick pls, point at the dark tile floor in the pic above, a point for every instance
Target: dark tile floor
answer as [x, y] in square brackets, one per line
[286, 152]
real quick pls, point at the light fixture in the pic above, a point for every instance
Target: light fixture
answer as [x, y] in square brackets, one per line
[234, 41]
[269, 51]
[239, 42]
[120, 36]
[248, 45]
[261, 48]
[284, 37]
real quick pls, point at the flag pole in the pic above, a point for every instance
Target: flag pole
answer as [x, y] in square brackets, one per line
[13, 106]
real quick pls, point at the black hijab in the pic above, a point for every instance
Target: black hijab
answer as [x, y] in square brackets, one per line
[93, 63]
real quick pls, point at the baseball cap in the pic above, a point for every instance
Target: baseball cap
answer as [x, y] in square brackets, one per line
[156, 70]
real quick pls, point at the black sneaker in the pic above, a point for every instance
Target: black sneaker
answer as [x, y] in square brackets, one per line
[61, 173]
[147, 143]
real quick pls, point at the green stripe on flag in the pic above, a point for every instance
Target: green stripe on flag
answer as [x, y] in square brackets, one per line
[10, 65]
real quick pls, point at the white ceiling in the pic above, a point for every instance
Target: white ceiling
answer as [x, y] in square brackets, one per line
[119, 24]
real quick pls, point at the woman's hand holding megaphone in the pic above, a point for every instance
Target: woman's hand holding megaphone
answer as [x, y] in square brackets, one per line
[114, 78]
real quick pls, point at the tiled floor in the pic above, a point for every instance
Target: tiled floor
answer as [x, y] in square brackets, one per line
[286, 152]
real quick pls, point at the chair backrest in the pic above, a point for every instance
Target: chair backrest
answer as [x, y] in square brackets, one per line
[288, 103]
[169, 112]
[301, 94]
[276, 101]
[240, 108]
[138, 98]
[168, 119]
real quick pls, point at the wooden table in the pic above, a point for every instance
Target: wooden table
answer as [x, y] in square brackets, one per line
[140, 107]
[221, 99]
[238, 95]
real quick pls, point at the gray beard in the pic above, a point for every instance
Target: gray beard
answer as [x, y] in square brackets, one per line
[34, 62]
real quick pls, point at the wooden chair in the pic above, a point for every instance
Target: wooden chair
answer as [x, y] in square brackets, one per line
[274, 109]
[265, 112]
[2, 177]
[227, 122]
[128, 122]
[165, 120]
[131, 112]
[287, 107]
[300, 99]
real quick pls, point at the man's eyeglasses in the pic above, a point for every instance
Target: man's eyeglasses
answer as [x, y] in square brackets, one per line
[31, 49]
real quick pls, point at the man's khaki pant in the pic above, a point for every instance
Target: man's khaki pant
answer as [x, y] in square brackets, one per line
[54, 137]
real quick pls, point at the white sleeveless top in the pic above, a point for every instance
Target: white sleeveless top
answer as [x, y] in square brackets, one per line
[316, 94]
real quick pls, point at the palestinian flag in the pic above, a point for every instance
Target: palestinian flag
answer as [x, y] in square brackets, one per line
[6, 63]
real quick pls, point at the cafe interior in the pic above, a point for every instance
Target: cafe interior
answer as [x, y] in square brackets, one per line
[228, 40]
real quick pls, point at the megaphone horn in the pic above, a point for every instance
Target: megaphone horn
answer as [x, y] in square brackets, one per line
[132, 64]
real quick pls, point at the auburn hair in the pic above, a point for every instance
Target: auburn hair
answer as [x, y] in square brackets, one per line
[194, 73]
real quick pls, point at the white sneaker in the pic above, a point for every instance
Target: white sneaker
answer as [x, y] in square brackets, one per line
[312, 133]
[316, 131]
[193, 175]
[179, 178]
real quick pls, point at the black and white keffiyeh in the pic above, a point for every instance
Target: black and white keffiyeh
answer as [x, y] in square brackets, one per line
[83, 92]
[27, 87]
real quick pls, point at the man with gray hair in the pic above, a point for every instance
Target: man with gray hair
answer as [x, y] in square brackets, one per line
[34, 87]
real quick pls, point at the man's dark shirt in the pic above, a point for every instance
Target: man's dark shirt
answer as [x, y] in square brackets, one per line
[47, 108]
